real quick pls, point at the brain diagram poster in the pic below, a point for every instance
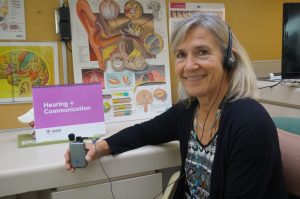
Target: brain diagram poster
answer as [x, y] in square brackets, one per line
[26, 64]
[124, 46]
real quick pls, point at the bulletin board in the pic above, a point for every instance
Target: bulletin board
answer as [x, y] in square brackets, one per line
[40, 28]
[257, 24]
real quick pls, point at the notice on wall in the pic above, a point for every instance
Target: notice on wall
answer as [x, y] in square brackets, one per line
[124, 46]
[180, 10]
[61, 110]
[12, 20]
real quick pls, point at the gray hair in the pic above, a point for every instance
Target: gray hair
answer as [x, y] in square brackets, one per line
[242, 79]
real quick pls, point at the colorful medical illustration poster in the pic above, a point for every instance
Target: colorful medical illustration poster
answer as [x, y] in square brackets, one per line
[26, 64]
[12, 20]
[180, 10]
[124, 46]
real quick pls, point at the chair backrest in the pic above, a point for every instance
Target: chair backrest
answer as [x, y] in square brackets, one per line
[289, 124]
[290, 152]
[171, 186]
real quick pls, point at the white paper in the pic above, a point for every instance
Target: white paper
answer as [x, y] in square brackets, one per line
[179, 11]
[27, 117]
[12, 20]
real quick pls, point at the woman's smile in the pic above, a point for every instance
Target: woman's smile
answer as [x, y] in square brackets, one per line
[194, 77]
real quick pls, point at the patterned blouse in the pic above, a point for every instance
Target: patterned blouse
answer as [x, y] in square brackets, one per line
[198, 167]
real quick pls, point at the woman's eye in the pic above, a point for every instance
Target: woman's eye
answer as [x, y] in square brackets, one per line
[179, 55]
[202, 52]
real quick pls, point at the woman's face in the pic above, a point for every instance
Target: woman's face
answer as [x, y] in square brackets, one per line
[198, 63]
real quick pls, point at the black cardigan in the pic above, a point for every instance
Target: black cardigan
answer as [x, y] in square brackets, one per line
[247, 161]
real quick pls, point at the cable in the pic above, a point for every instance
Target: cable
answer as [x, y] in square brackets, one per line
[272, 85]
[110, 183]
[203, 130]
[64, 4]
[292, 82]
[66, 43]
[181, 176]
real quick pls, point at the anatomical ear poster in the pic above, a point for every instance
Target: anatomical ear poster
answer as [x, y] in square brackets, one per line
[26, 64]
[180, 10]
[123, 44]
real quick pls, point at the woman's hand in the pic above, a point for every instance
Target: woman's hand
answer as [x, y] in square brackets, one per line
[94, 151]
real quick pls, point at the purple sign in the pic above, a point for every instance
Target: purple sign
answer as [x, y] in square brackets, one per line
[64, 105]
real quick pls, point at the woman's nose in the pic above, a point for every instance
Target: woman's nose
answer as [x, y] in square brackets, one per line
[191, 63]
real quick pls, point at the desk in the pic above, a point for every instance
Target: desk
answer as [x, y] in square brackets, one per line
[280, 100]
[42, 167]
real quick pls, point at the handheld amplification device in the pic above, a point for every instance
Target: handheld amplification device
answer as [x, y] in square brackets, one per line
[77, 152]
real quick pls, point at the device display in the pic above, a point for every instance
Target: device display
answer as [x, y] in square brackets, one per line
[290, 67]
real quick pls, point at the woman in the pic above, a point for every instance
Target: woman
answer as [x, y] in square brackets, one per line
[228, 142]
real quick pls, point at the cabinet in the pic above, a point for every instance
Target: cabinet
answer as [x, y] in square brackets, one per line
[144, 187]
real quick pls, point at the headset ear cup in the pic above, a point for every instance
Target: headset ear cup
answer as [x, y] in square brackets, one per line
[229, 59]
[231, 62]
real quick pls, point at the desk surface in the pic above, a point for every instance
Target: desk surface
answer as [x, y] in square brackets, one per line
[281, 94]
[42, 167]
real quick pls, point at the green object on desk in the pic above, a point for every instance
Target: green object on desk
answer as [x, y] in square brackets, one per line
[290, 124]
[26, 140]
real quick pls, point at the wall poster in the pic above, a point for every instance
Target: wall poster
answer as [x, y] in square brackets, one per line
[26, 64]
[179, 11]
[124, 46]
[12, 20]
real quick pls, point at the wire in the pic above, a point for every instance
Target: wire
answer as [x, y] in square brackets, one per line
[66, 43]
[284, 82]
[64, 4]
[203, 130]
[215, 100]
[292, 82]
[272, 85]
[110, 183]
[181, 176]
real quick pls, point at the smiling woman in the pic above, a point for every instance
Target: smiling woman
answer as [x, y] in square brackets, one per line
[228, 143]
[215, 74]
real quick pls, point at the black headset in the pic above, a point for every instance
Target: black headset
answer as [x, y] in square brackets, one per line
[229, 59]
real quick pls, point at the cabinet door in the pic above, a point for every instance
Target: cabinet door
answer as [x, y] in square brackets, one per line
[144, 187]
